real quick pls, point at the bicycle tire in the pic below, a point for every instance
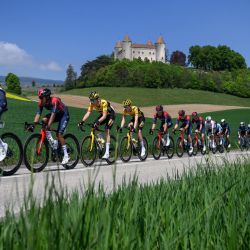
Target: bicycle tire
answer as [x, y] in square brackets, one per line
[171, 146]
[179, 147]
[158, 146]
[128, 146]
[16, 166]
[143, 158]
[87, 141]
[29, 165]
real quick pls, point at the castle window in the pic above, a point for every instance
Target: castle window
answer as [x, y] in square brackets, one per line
[138, 52]
[133, 51]
[153, 53]
[150, 54]
[162, 58]
[142, 52]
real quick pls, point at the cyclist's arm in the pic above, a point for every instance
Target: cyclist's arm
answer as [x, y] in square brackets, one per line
[154, 123]
[51, 119]
[104, 116]
[86, 116]
[123, 121]
[38, 113]
[37, 117]
[136, 121]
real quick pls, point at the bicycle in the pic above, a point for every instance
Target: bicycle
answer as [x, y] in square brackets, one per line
[244, 143]
[14, 155]
[130, 145]
[36, 150]
[94, 145]
[197, 144]
[225, 142]
[182, 144]
[159, 148]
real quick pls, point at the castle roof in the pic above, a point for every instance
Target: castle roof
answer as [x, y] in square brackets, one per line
[143, 46]
[118, 45]
[149, 42]
[160, 40]
[126, 38]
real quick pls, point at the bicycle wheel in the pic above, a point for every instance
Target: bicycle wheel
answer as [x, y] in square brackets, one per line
[88, 151]
[170, 148]
[36, 160]
[125, 149]
[242, 143]
[73, 150]
[14, 155]
[226, 144]
[144, 157]
[113, 148]
[157, 148]
[179, 147]
[195, 146]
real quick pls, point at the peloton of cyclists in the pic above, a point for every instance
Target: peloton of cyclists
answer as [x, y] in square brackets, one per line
[166, 123]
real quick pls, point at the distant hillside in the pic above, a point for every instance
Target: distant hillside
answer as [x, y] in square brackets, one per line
[26, 81]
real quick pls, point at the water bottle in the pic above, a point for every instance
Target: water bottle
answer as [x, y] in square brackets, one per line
[100, 139]
[134, 141]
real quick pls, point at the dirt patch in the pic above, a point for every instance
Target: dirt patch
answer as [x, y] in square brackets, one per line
[83, 102]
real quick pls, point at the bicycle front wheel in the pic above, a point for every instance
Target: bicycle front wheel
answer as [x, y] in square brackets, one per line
[195, 146]
[170, 148]
[14, 155]
[36, 153]
[179, 147]
[125, 149]
[88, 151]
[157, 148]
[73, 150]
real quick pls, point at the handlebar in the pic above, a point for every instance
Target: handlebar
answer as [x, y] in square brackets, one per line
[44, 126]
[91, 125]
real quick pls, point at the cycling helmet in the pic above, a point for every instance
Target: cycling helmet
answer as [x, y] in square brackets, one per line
[208, 118]
[127, 102]
[93, 95]
[248, 125]
[43, 92]
[159, 108]
[223, 120]
[181, 112]
[194, 114]
[242, 123]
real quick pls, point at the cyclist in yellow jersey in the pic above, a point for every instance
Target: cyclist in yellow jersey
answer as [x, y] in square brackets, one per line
[107, 116]
[137, 120]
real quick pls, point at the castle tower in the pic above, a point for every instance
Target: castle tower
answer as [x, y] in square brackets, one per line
[126, 46]
[160, 49]
[118, 50]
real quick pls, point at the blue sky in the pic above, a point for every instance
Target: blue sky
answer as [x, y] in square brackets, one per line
[40, 38]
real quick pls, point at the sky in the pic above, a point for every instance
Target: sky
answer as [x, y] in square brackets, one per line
[41, 38]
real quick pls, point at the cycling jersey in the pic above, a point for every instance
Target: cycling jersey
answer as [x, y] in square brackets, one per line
[134, 111]
[55, 105]
[218, 128]
[248, 131]
[225, 127]
[3, 101]
[242, 130]
[102, 106]
[210, 126]
[199, 122]
[164, 118]
[185, 121]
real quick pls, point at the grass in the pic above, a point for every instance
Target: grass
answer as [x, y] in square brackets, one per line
[20, 111]
[148, 97]
[203, 209]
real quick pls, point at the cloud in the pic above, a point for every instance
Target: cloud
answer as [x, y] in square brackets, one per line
[11, 54]
[52, 66]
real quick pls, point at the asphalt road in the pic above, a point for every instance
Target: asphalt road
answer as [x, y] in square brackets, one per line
[15, 188]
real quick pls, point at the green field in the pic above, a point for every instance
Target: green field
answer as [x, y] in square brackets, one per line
[204, 209]
[20, 111]
[148, 97]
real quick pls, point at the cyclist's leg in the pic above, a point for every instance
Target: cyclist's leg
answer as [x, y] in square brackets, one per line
[109, 121]
[49, 136]
[141, 122]
[3, 145]
[189, 134]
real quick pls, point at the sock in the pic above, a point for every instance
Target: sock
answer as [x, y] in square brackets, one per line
[142, 144]
[64, 147]
[107, 147]
[1, 143]
[49, 136]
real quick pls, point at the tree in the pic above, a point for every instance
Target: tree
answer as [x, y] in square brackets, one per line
[13, 84]
[33, 83]
[91, 67]
[71, 76]
[178, 57]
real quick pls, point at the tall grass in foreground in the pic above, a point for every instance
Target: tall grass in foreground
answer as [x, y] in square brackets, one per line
[204, 209]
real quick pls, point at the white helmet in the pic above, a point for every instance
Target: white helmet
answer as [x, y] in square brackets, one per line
[242, 123]
[208, 118]
[223, 120]
[248, 125]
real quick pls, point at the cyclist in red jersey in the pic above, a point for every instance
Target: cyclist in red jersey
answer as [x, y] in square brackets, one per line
[200, 127]
[186, 126]
[58, 113]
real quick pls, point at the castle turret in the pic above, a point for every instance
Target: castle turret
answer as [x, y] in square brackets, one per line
[118, 50]
[126, 46]
[160, 49]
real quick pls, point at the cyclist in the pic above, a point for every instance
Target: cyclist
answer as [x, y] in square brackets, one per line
[200, 127]
[3, 108]
[186, 126]
[107, 116]
[58, 113]
[210, 129]
[225, 130]
[137, 120]
[166, 122]
[218, 131]
[248, 130]
[242, 131]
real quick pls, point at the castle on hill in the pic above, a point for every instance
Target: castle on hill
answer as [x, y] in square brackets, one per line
[149, 51]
